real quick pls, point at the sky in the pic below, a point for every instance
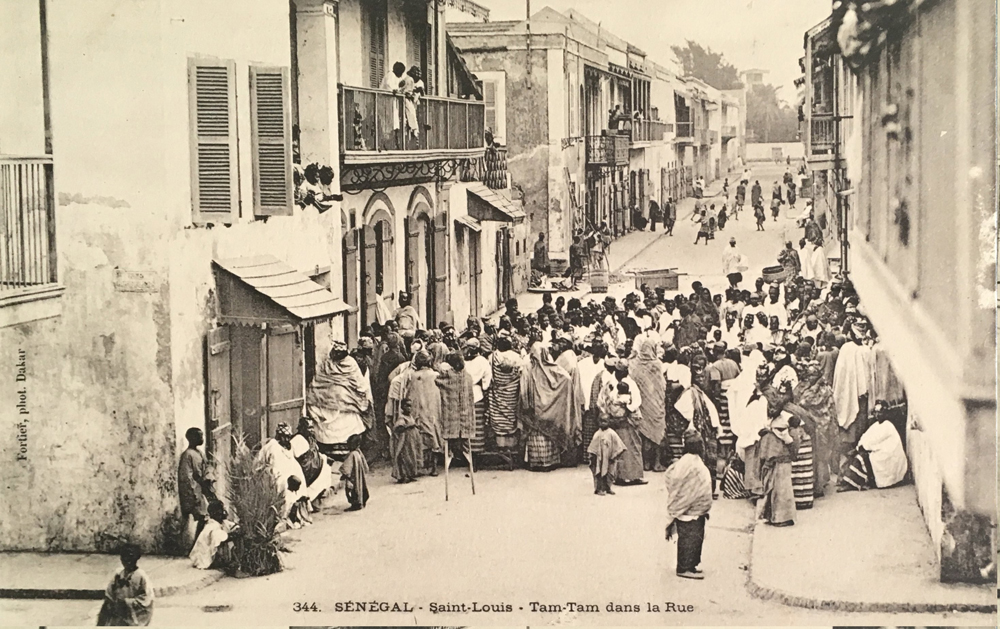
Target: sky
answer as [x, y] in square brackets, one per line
[764, 34]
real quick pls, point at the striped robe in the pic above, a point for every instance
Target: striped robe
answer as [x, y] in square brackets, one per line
[504, 397]
[802, 472]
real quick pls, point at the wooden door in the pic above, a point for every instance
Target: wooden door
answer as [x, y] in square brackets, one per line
[246, 367]
[369, 244]
[414, 248]
[285, 377]
[350, 257]
[439, 269]
[475, 273]
[219, 427]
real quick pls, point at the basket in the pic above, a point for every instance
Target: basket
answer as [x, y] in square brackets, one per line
[774, 274]
[667, 279]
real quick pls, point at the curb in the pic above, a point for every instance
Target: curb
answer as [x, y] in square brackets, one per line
[767, 593]
[96, 595]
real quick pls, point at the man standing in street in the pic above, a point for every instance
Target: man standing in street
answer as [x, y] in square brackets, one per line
[670, 216]
[654, 215]
[755, 193]
[733, 263]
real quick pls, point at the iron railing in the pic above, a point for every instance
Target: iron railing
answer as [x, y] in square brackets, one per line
[607, 150]
[648, 130]
[685, 129]
[377, 120]
[27, 222]
[729, 131]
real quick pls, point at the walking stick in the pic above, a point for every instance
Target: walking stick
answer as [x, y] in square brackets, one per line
[472, 468]
[446, 461]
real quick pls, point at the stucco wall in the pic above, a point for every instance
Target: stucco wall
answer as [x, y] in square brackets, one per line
[527, 126]
[113, 383]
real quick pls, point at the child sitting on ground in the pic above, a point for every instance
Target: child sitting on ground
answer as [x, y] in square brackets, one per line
[128, 599]
[604, 450]
[354, 471]
[214, 547]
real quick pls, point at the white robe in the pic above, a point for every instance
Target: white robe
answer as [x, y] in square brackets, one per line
[820, 265]
[806, 262]
[885, 452]
[589, 370]
[851, 379]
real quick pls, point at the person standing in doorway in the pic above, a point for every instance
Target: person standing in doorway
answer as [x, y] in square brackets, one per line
[540, 257]
[193, 487]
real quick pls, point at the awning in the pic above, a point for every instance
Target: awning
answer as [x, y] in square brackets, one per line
[469, 223]
[263, 289]
[491, 205]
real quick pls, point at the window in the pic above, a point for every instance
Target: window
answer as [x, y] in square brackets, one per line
[214, 166]
[270, 130]
[493, 86]
[374, 25]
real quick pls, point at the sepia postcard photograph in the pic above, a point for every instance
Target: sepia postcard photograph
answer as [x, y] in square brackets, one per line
[501, 313]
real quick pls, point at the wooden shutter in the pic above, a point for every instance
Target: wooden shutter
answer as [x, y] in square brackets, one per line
[271, 141]
[374, 32]
[369, 308]
[413, 249]
[219, 403]
[441, 310]
[214, 161]
[285, 377]
[475, 273]
[490, 105]
[350, 252]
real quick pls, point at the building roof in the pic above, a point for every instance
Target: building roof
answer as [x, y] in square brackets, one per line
[486, 204]
[263, 289]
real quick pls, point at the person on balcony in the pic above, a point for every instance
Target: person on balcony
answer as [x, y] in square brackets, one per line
[395, 82]
[414, 90]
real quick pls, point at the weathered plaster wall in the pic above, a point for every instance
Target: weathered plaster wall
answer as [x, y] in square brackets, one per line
[114, 382]
[22, 130]
[528, 144]
[99, 459]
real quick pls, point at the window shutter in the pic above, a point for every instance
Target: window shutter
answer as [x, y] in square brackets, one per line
[214, 161]
[377, 18]
[490, 105]
[271, 141]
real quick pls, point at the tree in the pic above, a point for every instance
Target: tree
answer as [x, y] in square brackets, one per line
[770, 119]
[707, 65]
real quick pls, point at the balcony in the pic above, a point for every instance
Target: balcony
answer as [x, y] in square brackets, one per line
[685, 132]
[607, 150]
[648, 131]
[822, 135]
[713, 136]
[728, 132]
[374, 127]
[27, 230]
[703, 136]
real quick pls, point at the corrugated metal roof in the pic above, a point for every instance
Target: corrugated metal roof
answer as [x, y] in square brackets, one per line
[285, 287]
[499, 201]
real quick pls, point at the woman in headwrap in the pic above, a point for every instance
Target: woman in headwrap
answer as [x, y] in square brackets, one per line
[391, 357]
[478, 368]
[425, 403]
[592, 375]
[406, 443]
[815, 395]
[437, 347]
[339, 399]
[318, 475]
[647, 372]
[624, 421]
[777, 451]
[698, 409]
[288, 474]
[549, 410]
[504, 393]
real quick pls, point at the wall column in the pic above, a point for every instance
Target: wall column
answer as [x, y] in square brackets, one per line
[318, 78]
